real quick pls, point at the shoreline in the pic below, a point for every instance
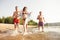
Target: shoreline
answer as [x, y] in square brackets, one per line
[49, 33]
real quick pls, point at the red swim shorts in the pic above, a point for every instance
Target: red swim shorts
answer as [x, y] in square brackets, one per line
[15, 20]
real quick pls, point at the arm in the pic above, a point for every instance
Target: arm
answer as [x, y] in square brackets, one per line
[43, 19]
[29, 12]
[38, 17]
[19, 13]
[13, 14]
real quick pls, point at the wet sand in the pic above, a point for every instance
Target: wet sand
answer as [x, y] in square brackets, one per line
[4, 34]
[26, 37]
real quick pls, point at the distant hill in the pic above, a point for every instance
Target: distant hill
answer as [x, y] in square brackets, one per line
[53, 24]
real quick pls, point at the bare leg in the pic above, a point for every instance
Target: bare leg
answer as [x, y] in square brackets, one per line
[15, 30]
[43, 28]
[26, 21]
[23, 25]
[26, 27]
[14, 26]
[38, 27]
[17, 26]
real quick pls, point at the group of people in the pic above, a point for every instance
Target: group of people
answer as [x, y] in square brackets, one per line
[24, 14]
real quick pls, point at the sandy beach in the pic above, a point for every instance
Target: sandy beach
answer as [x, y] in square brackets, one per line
[50, 33]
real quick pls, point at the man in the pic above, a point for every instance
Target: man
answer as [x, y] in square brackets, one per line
[41, 21]
[16, 19]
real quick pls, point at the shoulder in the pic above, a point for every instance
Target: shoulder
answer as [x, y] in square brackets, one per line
[14, 12]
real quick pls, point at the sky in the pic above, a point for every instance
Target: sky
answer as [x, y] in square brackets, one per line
[50, 8]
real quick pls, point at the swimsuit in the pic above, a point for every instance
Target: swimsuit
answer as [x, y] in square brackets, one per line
[24, 16]
[40, 24]
[15, 20]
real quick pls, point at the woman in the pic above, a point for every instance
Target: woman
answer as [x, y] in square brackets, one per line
[24, 17]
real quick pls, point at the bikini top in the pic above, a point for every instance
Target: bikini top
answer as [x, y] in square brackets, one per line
[24, 13]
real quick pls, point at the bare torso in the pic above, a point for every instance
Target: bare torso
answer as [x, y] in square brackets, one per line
[24, 15]
[16, 15]
[40, 18]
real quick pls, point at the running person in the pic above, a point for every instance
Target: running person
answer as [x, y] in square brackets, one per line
[41, 21]
[24, 17]
[16, 18]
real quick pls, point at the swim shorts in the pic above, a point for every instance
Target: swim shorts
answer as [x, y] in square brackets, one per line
[40, 23]
[15, 20]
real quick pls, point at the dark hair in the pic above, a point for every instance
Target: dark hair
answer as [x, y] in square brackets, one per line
[40, 12]
[24, 8]
[16, 6]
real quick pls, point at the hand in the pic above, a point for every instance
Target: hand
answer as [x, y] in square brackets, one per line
[30, 12]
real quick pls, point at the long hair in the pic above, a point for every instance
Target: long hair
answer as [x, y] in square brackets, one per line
[24, 8]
